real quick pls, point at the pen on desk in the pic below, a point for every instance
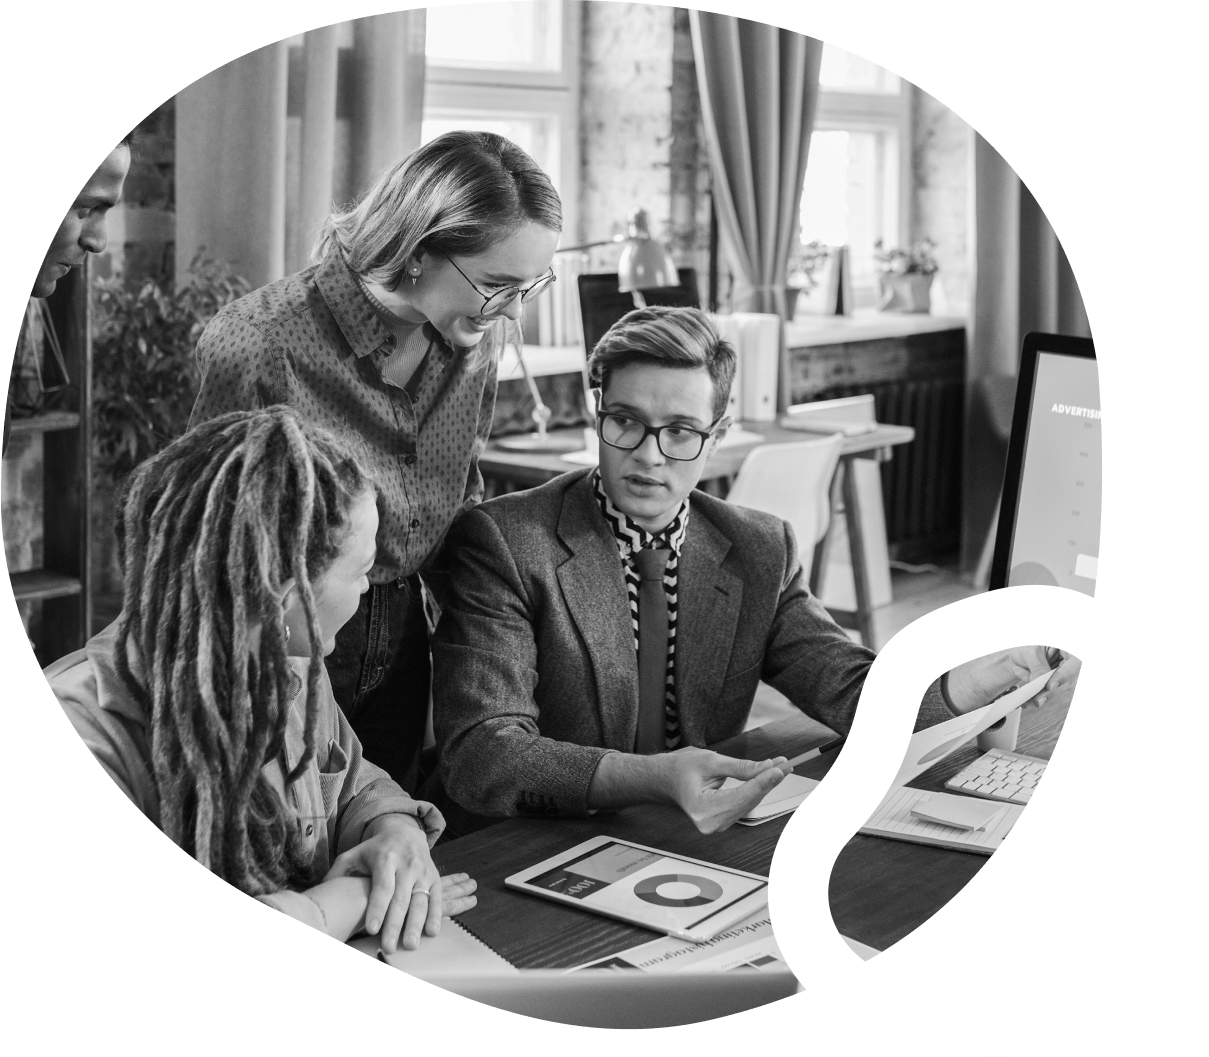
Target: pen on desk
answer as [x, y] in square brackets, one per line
[817, 751]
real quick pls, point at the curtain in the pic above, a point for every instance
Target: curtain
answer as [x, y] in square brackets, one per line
[230, 166]
[317, 141]
[759, 89]
[1022, 282]
[269, 143]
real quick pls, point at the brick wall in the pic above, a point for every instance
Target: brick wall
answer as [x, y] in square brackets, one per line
[640, 132]
[625, 121]
[940, 198]
[142, 229]
[689, 164]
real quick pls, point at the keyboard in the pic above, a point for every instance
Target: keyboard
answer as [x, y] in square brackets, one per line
[999, 775]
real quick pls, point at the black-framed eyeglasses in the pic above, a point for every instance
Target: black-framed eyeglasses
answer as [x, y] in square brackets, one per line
[675, 442]
[501, 299]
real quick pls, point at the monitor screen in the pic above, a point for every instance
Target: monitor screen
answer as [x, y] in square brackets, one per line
[1051, 507]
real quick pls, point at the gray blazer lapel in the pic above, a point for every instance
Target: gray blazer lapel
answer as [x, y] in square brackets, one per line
[593, 586]
[707, 616]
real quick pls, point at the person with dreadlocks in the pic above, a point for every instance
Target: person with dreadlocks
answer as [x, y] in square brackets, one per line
[245, 546]
[393, 334]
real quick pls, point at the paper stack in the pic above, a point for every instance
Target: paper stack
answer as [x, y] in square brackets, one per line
[897, 818]
[454, 951]
[781, 801]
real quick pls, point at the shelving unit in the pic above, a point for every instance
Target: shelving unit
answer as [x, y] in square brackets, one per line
[63, 583]
[45, 423]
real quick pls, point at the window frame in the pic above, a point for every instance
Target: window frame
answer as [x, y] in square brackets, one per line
[552, 94]
[844, 110]
[532, 78]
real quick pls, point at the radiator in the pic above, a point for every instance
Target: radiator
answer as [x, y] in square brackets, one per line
[921, 484]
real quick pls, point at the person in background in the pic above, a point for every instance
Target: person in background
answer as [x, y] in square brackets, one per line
[83, 230]
[552, 695]
[393, 336]
[245, 546]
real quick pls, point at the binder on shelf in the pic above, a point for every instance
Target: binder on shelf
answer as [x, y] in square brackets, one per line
[831, 294]
[838, 300]
[756, 338]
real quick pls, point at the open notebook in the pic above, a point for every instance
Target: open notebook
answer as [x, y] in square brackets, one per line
[893, 818]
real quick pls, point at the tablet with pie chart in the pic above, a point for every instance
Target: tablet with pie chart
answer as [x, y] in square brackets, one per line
[682, 897]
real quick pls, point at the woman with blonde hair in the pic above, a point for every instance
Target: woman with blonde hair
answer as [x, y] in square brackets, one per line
[393, 334]
[245, 546]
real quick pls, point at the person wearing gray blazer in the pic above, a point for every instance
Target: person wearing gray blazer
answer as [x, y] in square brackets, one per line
[536, 675]
[536, 680]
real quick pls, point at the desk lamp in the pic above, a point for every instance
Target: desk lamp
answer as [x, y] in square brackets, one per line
[541, 441]
[645, 262]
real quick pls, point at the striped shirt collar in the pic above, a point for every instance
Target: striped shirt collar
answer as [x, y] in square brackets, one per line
[633, 537]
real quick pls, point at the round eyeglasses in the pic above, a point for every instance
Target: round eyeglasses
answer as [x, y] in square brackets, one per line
[675, 442]
[502, 298]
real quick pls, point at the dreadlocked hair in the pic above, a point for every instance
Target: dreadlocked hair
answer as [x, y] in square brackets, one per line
[209, 531]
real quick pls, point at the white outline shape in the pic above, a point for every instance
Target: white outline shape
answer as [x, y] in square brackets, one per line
[1173, 807]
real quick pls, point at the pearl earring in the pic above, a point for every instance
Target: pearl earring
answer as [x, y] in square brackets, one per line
[287, 632]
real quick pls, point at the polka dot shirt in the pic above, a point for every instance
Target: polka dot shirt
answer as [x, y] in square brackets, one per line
[313, 341]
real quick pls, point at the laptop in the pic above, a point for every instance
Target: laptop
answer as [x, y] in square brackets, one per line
[601, 303]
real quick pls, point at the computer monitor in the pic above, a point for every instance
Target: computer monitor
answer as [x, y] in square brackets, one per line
[1049, 520]
[601, 303]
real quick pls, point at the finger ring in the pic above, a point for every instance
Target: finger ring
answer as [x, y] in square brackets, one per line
[419, 891]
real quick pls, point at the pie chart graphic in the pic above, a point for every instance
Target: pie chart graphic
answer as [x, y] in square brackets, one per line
[680, 890]
[1031, 573]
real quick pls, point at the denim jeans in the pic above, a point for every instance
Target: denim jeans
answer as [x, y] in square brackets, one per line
[380, 672]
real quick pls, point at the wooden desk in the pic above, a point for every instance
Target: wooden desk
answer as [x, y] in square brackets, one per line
[880, 889]
[503, 470]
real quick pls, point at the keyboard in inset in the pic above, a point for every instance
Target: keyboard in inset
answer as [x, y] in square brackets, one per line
[999, 775]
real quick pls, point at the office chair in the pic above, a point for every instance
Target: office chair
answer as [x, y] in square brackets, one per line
[601, 304]
[792, 481]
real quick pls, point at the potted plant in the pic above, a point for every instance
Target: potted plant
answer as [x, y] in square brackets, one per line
[905, 278]
[144, 383]
[805, 259]
[145, 377]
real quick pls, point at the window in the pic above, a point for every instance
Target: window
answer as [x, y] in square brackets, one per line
[508, 68]
[513, 68]
[517, 35]
[857, 178]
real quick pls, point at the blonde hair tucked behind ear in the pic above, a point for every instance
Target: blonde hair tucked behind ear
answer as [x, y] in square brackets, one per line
[457, 195]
